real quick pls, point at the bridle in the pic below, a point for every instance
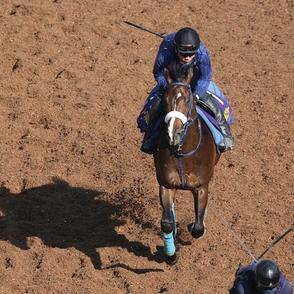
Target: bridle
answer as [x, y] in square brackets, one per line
[186, 120]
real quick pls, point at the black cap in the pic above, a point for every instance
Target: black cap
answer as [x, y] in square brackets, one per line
[267, 274]
[187, 40]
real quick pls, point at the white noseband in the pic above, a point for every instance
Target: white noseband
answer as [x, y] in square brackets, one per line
[175, 114]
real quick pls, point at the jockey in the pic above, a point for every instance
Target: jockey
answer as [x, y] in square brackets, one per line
[261, 277]
[184, 46]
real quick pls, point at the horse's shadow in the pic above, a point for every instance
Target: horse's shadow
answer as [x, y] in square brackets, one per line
[63, 216]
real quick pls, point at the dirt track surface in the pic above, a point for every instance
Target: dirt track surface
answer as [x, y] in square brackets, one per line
[79, 209]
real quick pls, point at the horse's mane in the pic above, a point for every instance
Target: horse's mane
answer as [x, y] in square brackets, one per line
[178, 71]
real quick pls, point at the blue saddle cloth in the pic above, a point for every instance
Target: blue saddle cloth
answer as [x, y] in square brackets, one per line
[212, 125]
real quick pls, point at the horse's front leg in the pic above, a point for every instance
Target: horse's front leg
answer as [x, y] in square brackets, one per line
[200, 203]
[168, 222]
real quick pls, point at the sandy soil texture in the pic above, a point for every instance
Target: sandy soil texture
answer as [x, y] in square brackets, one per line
[79, 207]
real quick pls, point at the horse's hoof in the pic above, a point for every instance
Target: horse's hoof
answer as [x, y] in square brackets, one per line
[197, 231]
[171, 260]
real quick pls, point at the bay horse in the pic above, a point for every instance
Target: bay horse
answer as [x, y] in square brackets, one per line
[186, 155]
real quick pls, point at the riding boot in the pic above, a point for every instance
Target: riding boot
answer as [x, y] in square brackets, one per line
[228, 142]
[148, 144]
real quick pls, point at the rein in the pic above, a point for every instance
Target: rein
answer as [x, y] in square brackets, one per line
[179, 153]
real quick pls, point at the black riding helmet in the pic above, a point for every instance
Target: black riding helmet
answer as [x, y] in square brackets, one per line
[267, 274]
[186, 41]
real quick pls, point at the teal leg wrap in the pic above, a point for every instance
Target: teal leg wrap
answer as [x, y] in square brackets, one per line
[169, 244]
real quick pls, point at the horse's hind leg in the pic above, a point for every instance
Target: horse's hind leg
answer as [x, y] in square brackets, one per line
[200, 203]
[168, 225]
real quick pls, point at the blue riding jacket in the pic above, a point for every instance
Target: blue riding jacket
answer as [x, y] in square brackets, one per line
[245, 282]
[201, 65]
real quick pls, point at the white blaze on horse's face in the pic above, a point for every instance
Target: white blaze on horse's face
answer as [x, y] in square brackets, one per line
[170, 128]
[170, 119]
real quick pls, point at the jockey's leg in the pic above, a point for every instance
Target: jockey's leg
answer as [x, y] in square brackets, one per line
[149, 142]
[143, 120]
[152, 114]
[219, 115]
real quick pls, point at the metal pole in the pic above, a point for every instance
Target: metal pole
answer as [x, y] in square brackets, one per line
[275, 242]
[144, 29]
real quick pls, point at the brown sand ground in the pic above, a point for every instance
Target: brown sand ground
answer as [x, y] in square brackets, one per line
[79, 209]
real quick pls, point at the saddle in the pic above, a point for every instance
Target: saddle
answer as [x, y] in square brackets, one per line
[208, 116]
[223, 105]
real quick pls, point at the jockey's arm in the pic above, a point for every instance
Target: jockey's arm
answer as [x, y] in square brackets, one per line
[237, 289]
[162, 59]
[205, 71]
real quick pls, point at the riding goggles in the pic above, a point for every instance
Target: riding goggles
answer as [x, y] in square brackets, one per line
[190, 49]
[186, 54]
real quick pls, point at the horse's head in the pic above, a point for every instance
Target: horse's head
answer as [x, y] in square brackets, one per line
[178, 102]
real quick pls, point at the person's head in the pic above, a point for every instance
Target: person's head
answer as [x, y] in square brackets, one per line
[186, 43]
[267, 275]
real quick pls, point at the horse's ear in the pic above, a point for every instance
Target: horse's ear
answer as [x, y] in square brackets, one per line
[189, 75]
[167, 75]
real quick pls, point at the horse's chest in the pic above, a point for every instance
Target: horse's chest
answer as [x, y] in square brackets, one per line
[180, 175]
